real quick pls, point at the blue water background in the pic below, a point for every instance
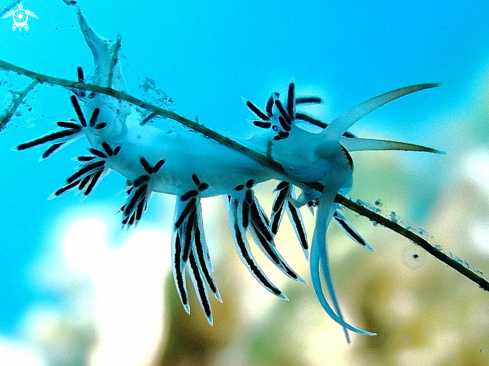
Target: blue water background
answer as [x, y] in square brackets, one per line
[206, 55]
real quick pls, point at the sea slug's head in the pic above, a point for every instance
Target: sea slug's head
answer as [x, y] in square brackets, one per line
[112, 115]
[306, 156]
[110, 123]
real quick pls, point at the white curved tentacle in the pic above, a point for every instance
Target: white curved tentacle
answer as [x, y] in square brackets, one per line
[363, 144]
[341, 124]
[319, 265]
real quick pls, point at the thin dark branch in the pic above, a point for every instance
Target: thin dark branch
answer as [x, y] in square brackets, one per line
[7, 8]
[435, 250]
[452, 261]
[17, 102]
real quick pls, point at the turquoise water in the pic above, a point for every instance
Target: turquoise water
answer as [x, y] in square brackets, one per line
[206, 55]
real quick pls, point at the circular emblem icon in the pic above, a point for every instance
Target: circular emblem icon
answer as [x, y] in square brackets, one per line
[20, 16]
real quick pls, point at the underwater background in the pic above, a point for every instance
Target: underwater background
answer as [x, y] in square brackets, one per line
[75, 289]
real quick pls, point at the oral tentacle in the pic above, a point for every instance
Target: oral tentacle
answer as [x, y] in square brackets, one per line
[341, 124]
[319, 266]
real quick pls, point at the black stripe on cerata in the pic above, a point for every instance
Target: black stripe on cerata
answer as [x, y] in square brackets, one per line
[291, 99]
[308, 100]
[92, 183]
[249, 183]
[85, 158]
[245, 214]
[158, 165]
[179, 275]
[257, 111]
[141, 180]
[146, 165]
[284, 123]
[195, 179]
[187, 239]
[100, 125]
[78, 111]
[274, 257]
[281, 135]
[251, 264]
[202, 260]
[187, 195]
[249, 196]
[85, 169]
[94, 117]
[201, 291]
[185, 212]
[140, 209]
[350, 231]
[47, 138]
[276, 220]
[239, 187]
[132, 219]
[84, 182]
[141, 191]
[203, 186]
[266, 247]
[279, 200]
[262, 124]
[282, 111]
[51, 149]
[282, 185]
[116, 150]
[65, 188]
[269, 105]
[257, 221]
[80, 75]
[107, 148]
[70, 125]
[305, 117]
[289, 271]
[129, 220]
[296, 221]
[98, 153]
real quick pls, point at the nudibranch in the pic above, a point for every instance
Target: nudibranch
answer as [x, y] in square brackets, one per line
[191, 166]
